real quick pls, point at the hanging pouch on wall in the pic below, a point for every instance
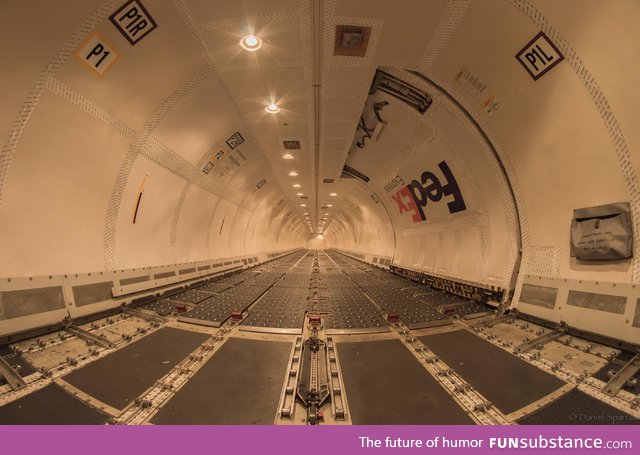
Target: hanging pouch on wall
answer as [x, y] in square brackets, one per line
[602, 233]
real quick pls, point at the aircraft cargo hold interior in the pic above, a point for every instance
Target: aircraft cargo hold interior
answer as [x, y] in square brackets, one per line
[319, 212]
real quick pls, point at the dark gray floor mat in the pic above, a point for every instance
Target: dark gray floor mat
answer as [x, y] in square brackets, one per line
[239, 385]
[122, 376]
[386, 385]
[507, 381]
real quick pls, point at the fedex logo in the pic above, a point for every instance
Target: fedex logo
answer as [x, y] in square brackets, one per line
[415, 196]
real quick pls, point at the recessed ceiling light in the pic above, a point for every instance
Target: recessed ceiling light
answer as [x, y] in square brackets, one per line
[306, 213]
[333, 194]
[296, 185]
[272, 108]
[293, 174]
[299, 194]
[303, 205]
[329, 205]
[287, 156]
[250, 43]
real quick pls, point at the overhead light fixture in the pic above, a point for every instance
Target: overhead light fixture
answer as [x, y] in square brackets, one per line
[287, 156]
[329, 205]
[296, 185]
[333, 194]
[299, 194]
[272, 108]
[303, 205]
[293, 174]
[250, 43]
[305, 213]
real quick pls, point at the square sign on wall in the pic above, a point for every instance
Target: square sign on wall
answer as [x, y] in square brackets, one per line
[539, 56]
[134, 21]
[97, 54]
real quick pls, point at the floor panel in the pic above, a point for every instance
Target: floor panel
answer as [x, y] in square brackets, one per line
[578, 408]
[239, 385]
[51, 405]
[386, 385]
[119, 378]
[507, 381]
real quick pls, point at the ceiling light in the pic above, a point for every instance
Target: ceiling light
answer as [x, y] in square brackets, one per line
[251, 43]
[293, 174]
[272, 108]
[303, 205]
[299, 194]
[306, 213]
[296, 185]
[329, 205]
[333, 194]
[287, 156]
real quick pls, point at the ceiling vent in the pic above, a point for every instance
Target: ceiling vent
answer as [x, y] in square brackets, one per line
[291, 145]
[329, 181]
[351, 40]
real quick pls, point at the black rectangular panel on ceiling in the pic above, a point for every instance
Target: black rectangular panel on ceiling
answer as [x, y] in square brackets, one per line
[349, 172]
[291, 145]
[401, 90]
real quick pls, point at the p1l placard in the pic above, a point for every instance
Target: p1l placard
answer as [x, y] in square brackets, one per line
[539, 56]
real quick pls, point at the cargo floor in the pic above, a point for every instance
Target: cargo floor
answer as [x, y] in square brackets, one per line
[386, 385]
[239, 385]
[51, 405]
[507, 381]
[578, 408]
[122, 376]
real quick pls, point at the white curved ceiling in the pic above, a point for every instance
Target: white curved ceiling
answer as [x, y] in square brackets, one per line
[79, 149]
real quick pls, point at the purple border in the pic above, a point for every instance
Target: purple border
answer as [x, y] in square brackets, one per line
[546, 70]
[258, 440]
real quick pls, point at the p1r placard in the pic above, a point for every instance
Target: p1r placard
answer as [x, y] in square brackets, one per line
[539, 56]
[134, 21]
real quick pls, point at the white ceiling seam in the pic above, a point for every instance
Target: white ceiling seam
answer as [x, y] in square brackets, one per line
[75, 98]
[51, 68]
[447, 25]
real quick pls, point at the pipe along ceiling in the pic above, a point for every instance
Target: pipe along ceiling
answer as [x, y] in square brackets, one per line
[452, 137]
